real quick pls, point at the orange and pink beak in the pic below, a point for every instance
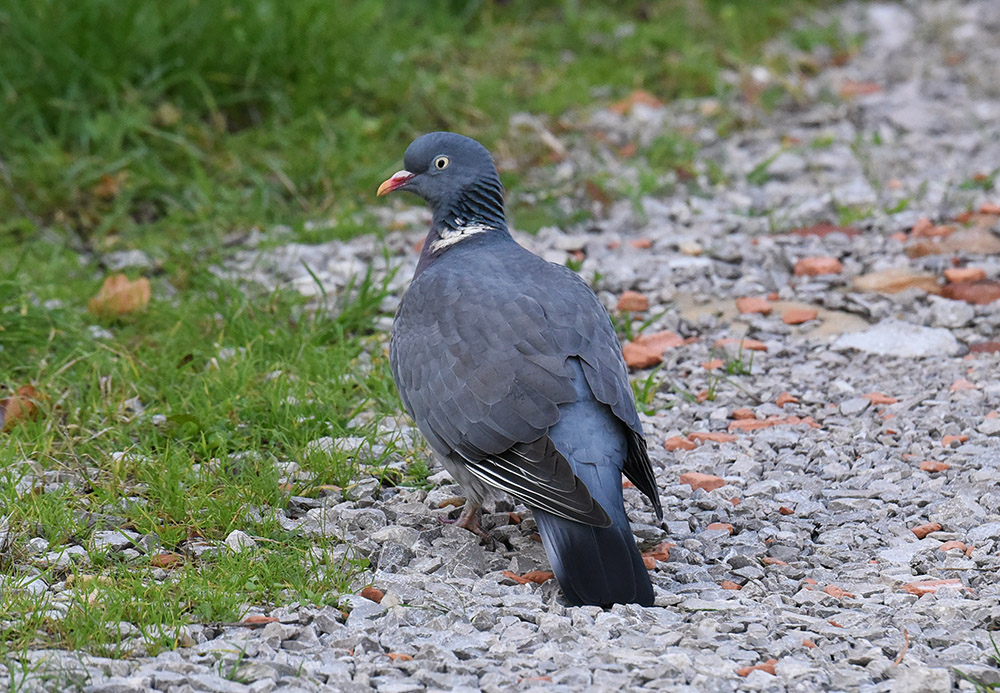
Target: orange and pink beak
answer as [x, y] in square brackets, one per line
[395, 182]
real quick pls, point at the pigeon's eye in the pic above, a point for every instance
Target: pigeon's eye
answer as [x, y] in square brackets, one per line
[441, 162]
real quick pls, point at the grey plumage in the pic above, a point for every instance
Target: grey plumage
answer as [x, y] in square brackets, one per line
[512, 370]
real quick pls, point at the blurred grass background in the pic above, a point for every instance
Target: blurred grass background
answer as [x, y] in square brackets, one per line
[123, 118]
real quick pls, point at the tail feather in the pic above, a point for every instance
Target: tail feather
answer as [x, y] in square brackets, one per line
[595, 565]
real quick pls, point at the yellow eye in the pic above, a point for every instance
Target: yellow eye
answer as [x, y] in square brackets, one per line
[441, 162]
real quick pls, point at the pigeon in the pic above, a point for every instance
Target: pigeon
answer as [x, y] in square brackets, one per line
[511, 369]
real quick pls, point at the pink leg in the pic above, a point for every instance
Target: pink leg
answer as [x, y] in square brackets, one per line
[469, 519]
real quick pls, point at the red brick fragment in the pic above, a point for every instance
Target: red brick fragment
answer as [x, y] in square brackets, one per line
[837, 592]
[948, 440]
[730, 585]
[633, 301]
[923, 530]
[817, 265]
[675, 443]
[879, 398]
[959, 275]
[949, 545]
[753, 304]
[697, 480]
[797, 316]
[785, 398]
[721, 526]
[767, 667]
[372, 593]
[922, 587]
[932, 466]
[702, 436]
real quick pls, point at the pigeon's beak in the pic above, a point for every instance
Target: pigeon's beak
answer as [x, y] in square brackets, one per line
[395, 182]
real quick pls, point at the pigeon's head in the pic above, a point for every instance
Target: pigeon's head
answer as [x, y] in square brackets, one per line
[451, 172]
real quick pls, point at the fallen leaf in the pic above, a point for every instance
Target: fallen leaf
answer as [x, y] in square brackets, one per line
[925, 228]
[597, 193]
[641, 243]
[730, 585]
[110, 185]
[896, 279]
[120, 295]
[808, 643]
[636, 97]
[165, 560]
[718, 363]
[923, 530]
[978, 293]
[633, 301]
[849, 89]
[399, 657]
[989, 208]
[536, 576]
[815, 266]
[372, 593]
[785, 510]
[22, 405]
[977, 241]
[258, 620]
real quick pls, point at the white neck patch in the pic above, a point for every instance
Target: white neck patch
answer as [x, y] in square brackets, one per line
[449, 237]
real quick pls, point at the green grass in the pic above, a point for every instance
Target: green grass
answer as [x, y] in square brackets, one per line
[122, 120]
[233, 383]
[173, 127]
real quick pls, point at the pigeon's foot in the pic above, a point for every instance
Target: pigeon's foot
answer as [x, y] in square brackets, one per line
[469, 519]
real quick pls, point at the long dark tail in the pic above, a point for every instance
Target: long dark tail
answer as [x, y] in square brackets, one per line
[597, 565]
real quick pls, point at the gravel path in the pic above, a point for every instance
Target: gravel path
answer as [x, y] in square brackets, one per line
[844, 533]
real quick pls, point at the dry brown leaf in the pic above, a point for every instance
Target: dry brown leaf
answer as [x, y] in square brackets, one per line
[258, 620]
[897, 279]
[20, 406]
[120, 295]
[165, 560]
[638, 96]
